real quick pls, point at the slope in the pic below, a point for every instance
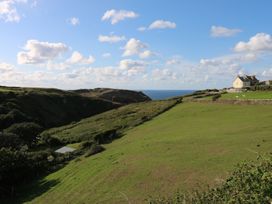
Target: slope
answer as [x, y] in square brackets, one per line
[190, 145]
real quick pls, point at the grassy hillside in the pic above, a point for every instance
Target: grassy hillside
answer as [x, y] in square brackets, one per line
[117, 120]
[47, 107]
[190, 145]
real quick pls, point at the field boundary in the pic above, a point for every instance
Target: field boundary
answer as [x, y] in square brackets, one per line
[238, 101]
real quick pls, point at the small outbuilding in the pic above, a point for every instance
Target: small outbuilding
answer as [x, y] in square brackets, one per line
[64, 150]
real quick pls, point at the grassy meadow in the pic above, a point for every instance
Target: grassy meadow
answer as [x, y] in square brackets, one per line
[191, 145]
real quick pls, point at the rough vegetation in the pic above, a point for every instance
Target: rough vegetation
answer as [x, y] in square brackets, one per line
[110, 125]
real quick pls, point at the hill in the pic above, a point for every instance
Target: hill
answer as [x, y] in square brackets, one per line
[115, 95]
[111, 124]
[47, 107]
[191, 145]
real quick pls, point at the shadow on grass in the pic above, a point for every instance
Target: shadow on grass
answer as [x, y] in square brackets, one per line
[30, 191]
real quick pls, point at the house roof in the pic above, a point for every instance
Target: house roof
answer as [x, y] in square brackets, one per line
[248, 78]
[65, 149]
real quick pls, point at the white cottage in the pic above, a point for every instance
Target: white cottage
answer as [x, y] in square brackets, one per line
[241, 82]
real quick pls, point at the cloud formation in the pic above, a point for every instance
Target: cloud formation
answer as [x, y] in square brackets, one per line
[136, 47]
[37, 52]
[111, 38]
[115, 16]
[74, 21]
[78, 58]
[159, 24]
[8, 11]
[259, 42]
[220, 31]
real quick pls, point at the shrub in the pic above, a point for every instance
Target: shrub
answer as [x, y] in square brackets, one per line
[27, 131]
[50, 141]
[94, 149]
[216, 96]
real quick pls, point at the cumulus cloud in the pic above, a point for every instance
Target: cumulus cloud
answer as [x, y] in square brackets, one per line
[78, 58]
[115, 16]
[132, 67]
[134, 47]
[111, 38]
[162, 24]
[259, 42]
[37, 52]
[220, 31]
[146, 54]
[74, 21]
[8, 11]
[159, 24]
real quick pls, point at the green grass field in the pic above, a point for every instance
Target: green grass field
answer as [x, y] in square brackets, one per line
[191, 145]
[248, 95]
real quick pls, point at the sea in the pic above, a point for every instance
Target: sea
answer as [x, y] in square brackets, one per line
[164, 94]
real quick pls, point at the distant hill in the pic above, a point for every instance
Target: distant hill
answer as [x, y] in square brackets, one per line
[54, 107]
[115, 95]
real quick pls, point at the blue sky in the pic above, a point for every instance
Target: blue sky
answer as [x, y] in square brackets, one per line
[134, 44]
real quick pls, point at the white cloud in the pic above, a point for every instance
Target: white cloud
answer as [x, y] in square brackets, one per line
[111, 38]
[115, 16]
[106, 55]
[134, 47]
[146, 54]
[5, 67]
[142, 28]
[220, 31]
[229, 59]
[162, 24]
[164, 74]
[8, 11]
[132, 67]
[173, 61]
[74, 21]
[78, 58]
[37, 52]
[259, 42]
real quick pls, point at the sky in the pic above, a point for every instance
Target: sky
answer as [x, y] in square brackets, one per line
[134, 44]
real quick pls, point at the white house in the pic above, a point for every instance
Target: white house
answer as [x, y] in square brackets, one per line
[241, 82]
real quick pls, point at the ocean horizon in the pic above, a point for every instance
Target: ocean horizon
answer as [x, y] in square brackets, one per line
[164, 94]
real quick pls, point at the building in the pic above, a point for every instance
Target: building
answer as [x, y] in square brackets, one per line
[246, 81]
[64, 150]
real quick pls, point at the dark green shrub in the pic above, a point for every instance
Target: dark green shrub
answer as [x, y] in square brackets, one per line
[216, 96]
[10, 140]
[94, 149]
[50, 141]
[27, 131]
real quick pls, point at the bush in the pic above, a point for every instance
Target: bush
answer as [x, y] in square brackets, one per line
[216, 96]
[50, 141]
[10, 140]
[94, 149]
[27, 131]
